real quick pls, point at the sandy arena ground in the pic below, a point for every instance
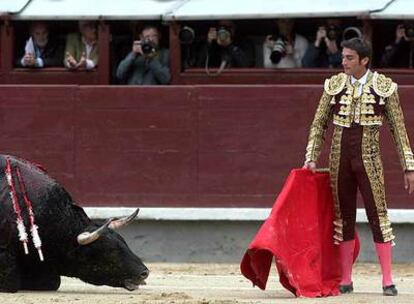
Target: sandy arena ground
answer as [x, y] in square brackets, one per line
[215, 284]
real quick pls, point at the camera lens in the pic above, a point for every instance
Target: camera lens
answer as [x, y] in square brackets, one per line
[147, 47]
[278, 51]
[409, 30]
[186, 35]
[223, 34]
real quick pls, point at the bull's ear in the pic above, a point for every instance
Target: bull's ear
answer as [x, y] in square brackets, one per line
[116, 224]
[86, 238]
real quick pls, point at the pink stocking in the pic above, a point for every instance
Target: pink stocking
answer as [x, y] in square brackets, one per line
[346, 250]
[385, 257]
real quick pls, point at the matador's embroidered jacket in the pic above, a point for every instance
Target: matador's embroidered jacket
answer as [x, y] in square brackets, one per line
[379, 100]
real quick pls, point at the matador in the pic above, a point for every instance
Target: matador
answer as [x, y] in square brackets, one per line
[358, 101]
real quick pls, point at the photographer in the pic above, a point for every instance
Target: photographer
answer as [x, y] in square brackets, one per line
[285, 49]
[325, 51]
[223, 47]
[400, 53]
[147, 63]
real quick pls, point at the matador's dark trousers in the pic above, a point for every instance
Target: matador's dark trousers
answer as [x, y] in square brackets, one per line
[355, 163]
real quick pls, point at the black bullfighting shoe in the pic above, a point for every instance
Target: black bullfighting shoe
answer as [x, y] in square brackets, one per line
[389, 290]
[346, 288]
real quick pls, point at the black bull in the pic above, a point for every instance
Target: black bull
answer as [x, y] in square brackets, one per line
[72, 244]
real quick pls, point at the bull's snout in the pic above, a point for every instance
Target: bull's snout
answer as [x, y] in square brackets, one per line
[144, 274]
[133, 284]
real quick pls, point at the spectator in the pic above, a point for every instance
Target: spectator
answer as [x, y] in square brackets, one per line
[41, 50]
[225, 48]
[81, 50]
[325, 51]
[286, 48]
[400, 53]
[147, 63]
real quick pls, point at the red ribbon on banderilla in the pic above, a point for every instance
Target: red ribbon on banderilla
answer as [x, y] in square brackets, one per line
[23, 237]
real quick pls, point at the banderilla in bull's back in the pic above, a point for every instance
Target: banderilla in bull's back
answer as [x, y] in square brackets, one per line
[45, 235]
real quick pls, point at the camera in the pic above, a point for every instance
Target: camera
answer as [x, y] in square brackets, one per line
[223, 34]
[409, 30]
[351, 32]
[278, 50]
[332, 32]
[147, 47]
[186, 35]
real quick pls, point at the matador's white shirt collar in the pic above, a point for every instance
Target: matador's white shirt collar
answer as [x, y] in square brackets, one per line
[361, 80]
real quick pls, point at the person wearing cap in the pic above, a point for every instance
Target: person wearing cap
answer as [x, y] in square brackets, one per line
[81, 51]
[358, 101]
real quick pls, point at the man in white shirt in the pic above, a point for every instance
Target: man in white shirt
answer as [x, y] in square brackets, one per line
[285, 49]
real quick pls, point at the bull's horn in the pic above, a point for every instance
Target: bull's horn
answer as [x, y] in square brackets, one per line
[86, 238]
[116, 224]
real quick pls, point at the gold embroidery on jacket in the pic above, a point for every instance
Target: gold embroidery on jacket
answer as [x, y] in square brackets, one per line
[335, 84]
[342, 121]
[382, 85]
[395, 117]
[368, 98]
[371, 120]
[367, 108]
[345, 99]
[345, 110]
[359, 110]
[318, 128]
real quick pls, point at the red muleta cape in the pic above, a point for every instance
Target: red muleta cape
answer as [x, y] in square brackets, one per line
[299, 234]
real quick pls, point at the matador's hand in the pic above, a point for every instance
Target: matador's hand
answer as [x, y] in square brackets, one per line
[409, 181]
[312, 166]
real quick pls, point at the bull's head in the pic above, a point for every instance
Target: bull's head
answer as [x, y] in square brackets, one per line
[104, 258]
[86, 238]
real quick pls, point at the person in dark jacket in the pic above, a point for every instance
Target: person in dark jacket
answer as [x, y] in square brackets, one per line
[325, 52]
[400, 54]
[147, 63]
[41, 50]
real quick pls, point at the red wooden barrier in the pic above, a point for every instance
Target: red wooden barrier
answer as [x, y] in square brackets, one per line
[194, 146]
